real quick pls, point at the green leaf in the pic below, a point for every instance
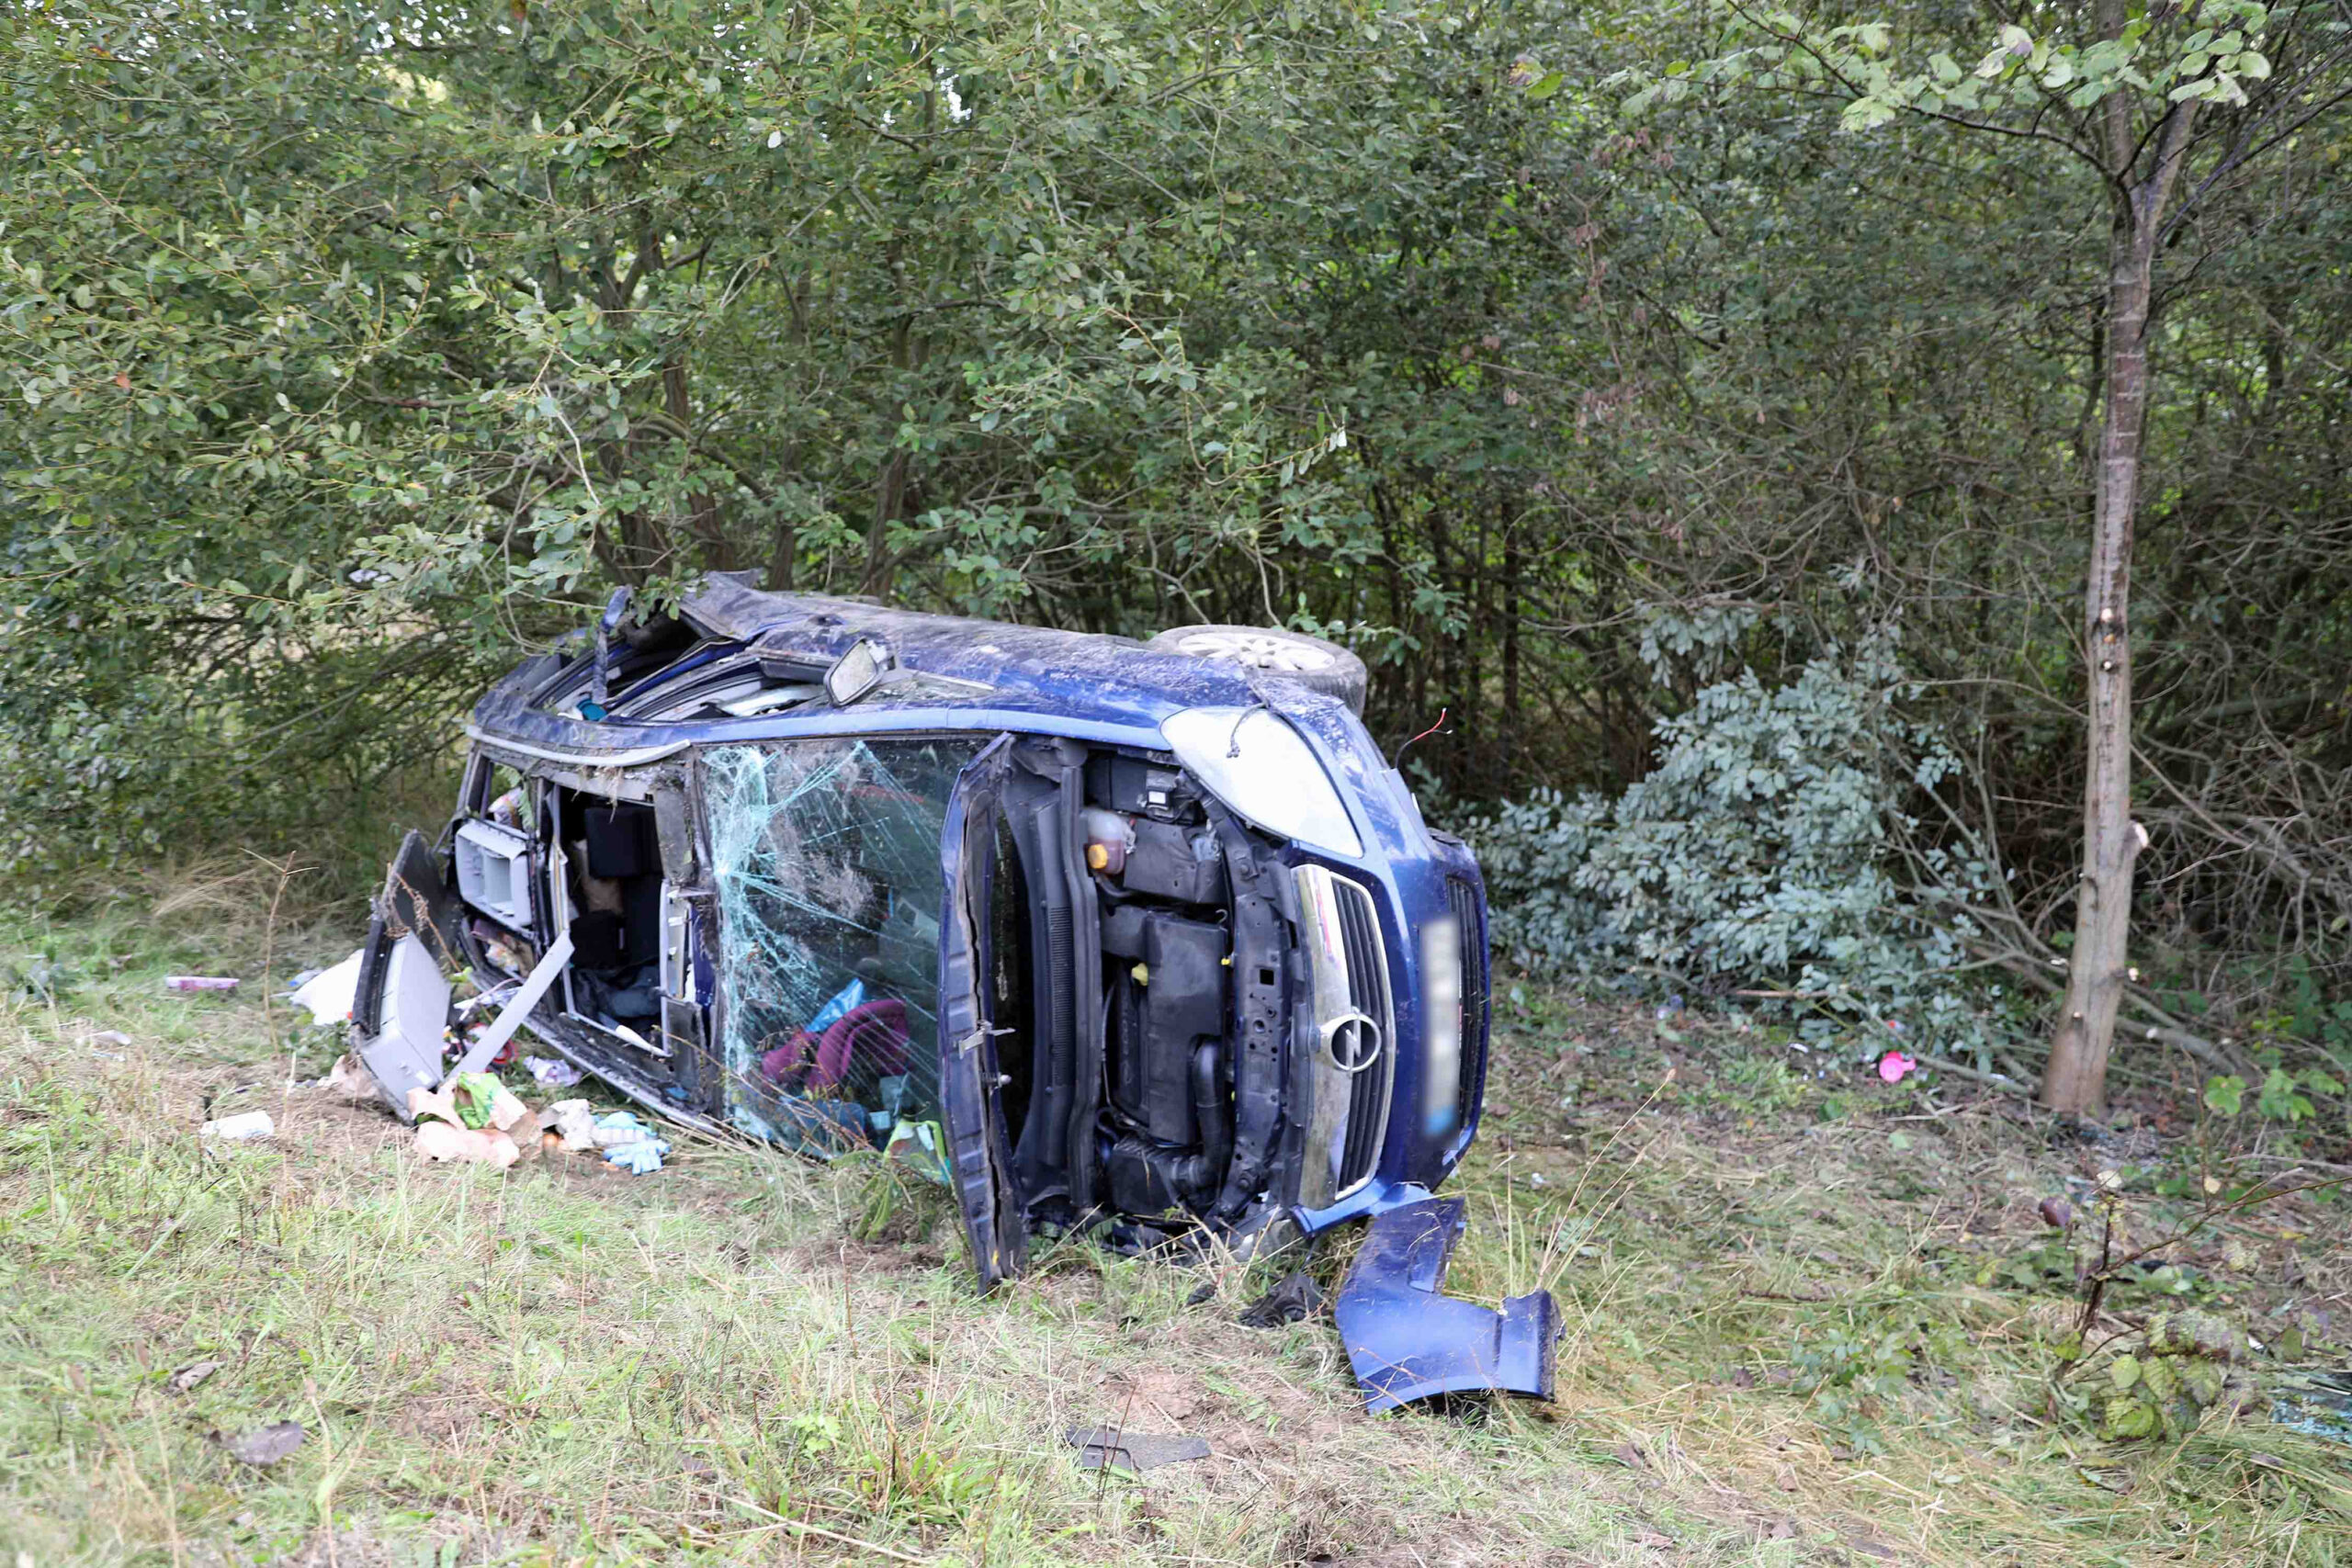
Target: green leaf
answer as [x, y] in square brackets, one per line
[2125, 1371]
[1866, 114]
[2280, 1101]
[2225, 1095]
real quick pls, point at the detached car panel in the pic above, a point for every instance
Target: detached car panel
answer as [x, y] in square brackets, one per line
[1101, 937]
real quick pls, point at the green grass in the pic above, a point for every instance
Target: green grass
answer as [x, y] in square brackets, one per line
[747, 1358]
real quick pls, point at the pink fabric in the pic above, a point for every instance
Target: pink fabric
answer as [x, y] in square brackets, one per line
[785, 1060]
[873, 1035]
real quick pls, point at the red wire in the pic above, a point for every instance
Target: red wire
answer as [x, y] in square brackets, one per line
[1425, 734]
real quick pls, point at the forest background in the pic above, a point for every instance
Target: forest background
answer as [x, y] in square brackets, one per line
[1711, 412]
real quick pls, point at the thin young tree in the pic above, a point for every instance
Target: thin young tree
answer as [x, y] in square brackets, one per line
[2172, 105]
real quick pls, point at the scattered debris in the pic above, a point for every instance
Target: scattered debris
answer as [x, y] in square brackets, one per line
[438, 1140]
[191, 1376]
[2057, 1214]
[473, 1118]
[920, 1146]
[1101, 1447]
[617, 1127]
[1294, 1299]
[263, 1446]
[575, 1123]
[329, 993]
[625, 1140]
[629, 1143]
[199, 983]
[110, 1037]
[469, 1100]
[245, 1125]
[2317, 1405]
[348, 1079]
[641, 1159]
[483, 1101]
[549, 1072]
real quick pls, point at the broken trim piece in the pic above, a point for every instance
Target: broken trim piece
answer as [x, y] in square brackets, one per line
[512, 1016]
[970, 1076]
[1406, 1342]
[637, 759]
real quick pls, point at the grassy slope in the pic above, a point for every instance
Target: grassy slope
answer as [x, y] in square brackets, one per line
[744, 1358]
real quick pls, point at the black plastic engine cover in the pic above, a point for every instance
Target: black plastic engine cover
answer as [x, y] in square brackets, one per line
[1173, 861]
[1179, 1001]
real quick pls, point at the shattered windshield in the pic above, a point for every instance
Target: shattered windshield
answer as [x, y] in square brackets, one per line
[827, 858]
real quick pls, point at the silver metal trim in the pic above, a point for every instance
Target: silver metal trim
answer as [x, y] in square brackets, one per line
[1360, 1054]
[636, 759]
[1335, 1079]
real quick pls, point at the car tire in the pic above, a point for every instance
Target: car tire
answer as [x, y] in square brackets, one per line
[1321, 666]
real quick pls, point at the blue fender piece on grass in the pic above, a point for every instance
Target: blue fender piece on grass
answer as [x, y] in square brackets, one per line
[1408, 1342]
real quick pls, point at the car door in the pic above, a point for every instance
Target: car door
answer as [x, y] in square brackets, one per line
[970, 1076]
[401, 1005]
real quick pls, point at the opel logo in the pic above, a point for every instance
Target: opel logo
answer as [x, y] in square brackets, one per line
[1352, 1042]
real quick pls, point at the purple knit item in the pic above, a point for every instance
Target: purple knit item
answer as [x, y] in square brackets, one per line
[875, 1035]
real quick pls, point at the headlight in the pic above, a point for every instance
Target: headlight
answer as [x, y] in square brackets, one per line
[1255, 762]
[1441, 1021]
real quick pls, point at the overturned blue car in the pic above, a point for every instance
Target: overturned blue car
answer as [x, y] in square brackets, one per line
[1141, 940]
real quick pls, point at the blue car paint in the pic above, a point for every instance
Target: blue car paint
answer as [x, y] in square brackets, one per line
[1111, 691]
[1408, 1342]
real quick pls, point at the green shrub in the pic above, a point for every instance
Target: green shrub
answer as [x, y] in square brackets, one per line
[1758, 862]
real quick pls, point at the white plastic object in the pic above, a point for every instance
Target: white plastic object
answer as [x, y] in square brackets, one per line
[1112, 832]
[1255, 762]
[245, 1125]
[495, 872]
[330, 993]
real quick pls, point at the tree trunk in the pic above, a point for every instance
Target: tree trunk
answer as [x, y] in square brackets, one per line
[908, 351]
[2077, 1078]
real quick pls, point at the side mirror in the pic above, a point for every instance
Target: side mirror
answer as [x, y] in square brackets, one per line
[856, 672]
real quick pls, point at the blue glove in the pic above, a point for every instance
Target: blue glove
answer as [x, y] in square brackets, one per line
[639, 1158]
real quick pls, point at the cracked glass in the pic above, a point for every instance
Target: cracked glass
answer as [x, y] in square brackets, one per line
[826, 855]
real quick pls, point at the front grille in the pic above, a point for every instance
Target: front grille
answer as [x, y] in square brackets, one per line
[1368, 1090]
[1469, 920]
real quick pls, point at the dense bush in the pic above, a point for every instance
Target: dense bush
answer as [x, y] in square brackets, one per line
[1767, 860]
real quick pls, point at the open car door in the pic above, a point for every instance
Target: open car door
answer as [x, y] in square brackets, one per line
[969, 1077]
[400, 1006]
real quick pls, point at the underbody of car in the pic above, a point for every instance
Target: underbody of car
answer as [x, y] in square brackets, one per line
[1148, 944]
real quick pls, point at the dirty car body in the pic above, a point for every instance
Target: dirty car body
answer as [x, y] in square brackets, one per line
[1104, 937]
